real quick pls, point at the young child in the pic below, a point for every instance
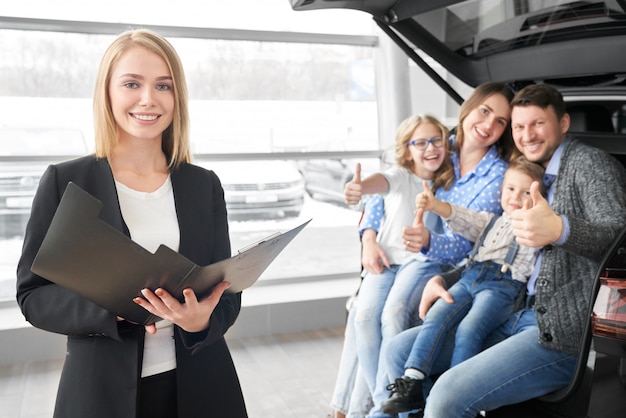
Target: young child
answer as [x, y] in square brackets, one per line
[385, 302]
[489, 286]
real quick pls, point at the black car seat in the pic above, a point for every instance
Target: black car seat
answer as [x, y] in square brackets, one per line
[590, 118]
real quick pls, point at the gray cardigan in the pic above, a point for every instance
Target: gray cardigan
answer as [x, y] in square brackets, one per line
[590, 190]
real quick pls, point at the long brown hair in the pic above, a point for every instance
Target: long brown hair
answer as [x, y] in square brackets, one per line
[504, 145]
[444, 175]
[175, 141]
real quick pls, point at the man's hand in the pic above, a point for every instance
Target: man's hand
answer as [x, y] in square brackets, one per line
[538, 225]
[433, 290]
[353, 192]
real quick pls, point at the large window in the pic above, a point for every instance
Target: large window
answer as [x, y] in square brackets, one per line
[281, 119]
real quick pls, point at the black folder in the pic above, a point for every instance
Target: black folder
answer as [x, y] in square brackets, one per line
[95, 260]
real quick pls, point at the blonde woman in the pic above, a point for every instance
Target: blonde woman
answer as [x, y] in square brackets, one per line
[141, 172]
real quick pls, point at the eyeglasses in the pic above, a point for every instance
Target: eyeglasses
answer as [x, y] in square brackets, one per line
[421, 143]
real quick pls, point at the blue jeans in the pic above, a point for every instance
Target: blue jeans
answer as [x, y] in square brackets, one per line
[513, 368]
[484, 298]
[388, 304]
[351, 395]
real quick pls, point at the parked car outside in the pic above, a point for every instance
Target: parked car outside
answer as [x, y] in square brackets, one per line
[253, 189]
[577, 47]
[325, 179]
[259, 189]
[25, 153]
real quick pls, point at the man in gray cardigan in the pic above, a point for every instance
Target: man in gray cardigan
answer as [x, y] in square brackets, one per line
[534, 352]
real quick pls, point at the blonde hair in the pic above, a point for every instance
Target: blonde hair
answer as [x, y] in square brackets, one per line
[444, 176]
[504, 144]
[175, 141]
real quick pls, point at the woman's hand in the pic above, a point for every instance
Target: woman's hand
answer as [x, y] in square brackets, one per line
[192, 315]
[433, 290]
[425, 200]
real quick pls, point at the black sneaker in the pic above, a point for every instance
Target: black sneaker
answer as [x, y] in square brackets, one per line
[406, 395]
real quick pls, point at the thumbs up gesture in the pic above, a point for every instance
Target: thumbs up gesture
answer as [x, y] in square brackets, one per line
[425, 200]
[419, 218]
[536, 224]
[353, 190]
[417, 236]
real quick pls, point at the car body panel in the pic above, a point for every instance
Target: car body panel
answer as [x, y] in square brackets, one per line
[259, 189]
[494, 44]
[253, 189]
[28, 152]
[325, 179]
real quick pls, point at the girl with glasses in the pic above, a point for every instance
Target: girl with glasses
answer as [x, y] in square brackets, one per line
[421, 150]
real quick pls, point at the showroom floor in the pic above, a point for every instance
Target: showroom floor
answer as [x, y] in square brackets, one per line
[290, 375]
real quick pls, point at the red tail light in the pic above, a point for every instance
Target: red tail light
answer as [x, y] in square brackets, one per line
[609, 311]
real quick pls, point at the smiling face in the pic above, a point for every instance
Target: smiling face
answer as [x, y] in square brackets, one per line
[141, 94]
[427, 161]
[484, 124]
[515, 190]
[538, 132]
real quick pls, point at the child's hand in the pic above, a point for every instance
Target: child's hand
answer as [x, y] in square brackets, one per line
[416, 236]
[352, 192]
[373, 257]
[419, 218]
[425, 200]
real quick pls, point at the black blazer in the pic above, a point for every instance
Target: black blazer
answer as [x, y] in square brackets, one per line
[101, 372]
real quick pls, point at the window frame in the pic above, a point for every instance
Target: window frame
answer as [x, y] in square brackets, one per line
[105, 28]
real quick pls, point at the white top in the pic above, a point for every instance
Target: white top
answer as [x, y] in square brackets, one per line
[399, 202]
[152, 221]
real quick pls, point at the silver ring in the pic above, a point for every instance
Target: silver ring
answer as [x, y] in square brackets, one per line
[408, 243]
